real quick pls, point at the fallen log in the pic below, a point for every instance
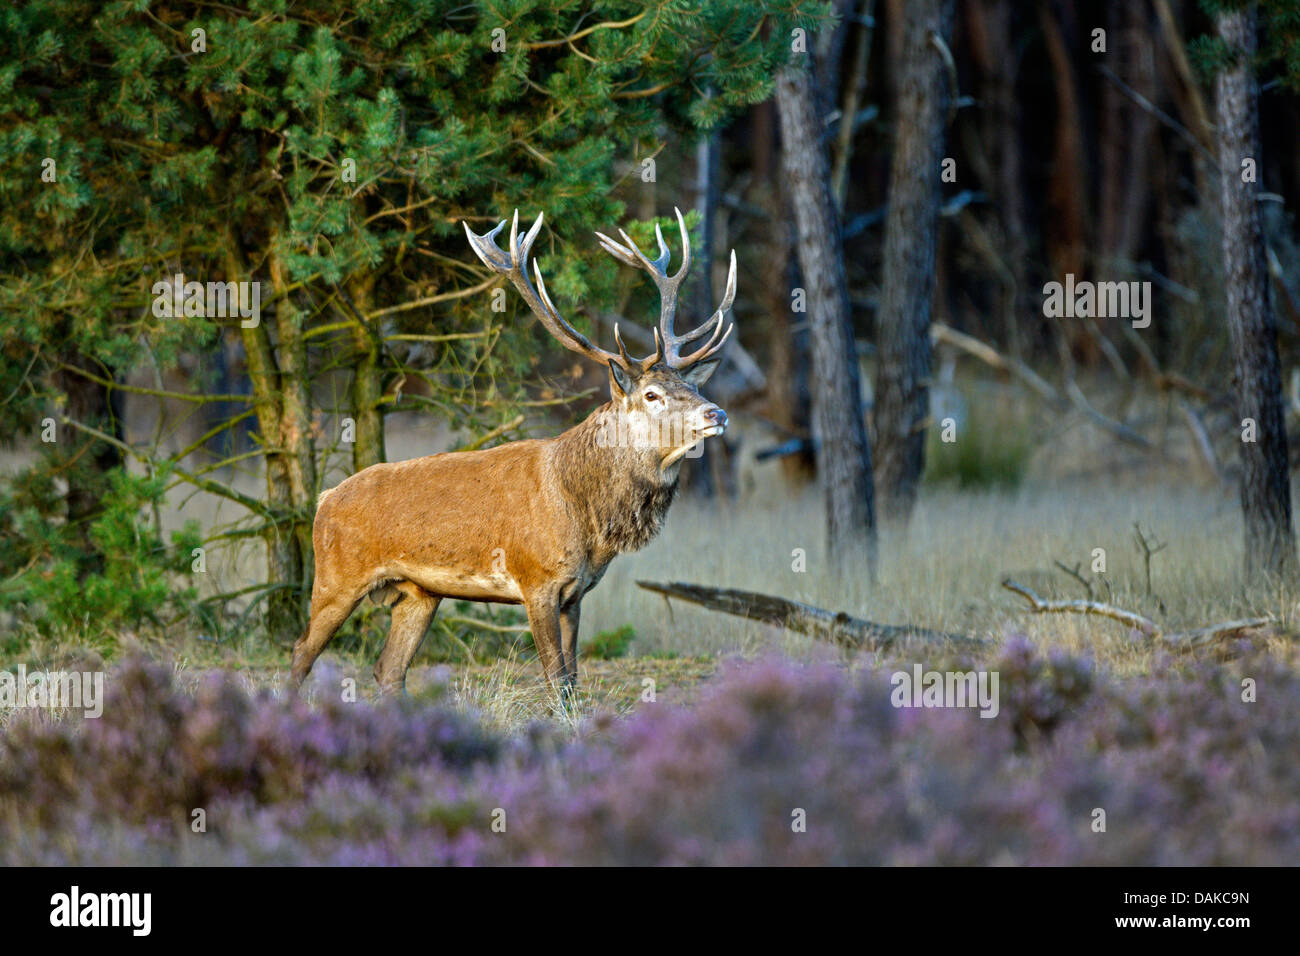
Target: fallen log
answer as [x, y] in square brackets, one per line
[1179, 640]
[836, 627]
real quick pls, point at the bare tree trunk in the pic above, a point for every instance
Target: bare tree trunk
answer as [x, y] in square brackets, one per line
[989, 31]
[284, 558]
[911, 228]
[296, 427]
[787, 398]
[1265, 480]
[1066, 228]
[828, 51]
[699, 477]
[282, 401]
[856, 87]
[843, 455]
[1125, 141]
[367, 390]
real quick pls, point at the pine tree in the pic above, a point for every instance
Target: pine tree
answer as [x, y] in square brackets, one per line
[328, 151]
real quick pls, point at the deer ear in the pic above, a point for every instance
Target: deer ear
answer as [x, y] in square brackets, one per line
[699, 373]
[620, 381]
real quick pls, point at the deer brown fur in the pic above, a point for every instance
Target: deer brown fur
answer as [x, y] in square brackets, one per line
[530, 522]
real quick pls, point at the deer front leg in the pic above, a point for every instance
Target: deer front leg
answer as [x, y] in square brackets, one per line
[544, 622]
[569, 645]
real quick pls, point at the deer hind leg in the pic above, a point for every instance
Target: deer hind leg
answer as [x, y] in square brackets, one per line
[412, 612]
[327, 615]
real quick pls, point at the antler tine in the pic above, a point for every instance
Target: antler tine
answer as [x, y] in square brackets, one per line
[618, 340]
[617, 250]
[630, 254]
[668, 288]
[646, 362]
[569, 332]
[712, 325]
[514, 265]
[713, 347]
[486, 248]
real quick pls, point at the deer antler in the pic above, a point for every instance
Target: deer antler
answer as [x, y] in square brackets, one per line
[670, 347]
[514, 265]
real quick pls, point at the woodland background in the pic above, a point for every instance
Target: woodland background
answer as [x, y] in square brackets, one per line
[899, 181]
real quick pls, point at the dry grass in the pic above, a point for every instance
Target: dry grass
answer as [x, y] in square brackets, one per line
[945, 570]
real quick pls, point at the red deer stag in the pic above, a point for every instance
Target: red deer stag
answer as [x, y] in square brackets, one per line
[529, 522]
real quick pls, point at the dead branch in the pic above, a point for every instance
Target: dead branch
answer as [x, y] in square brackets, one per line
[493, 434]
[1145, 104]
[1074, 573]
[1145, 625]
[992, 357]
[1118, 429]
[1074, 396]
[1148, 549]
[1201, 437]
[1179, 640]
[836, 627]
[1204, 636]
[486, 625]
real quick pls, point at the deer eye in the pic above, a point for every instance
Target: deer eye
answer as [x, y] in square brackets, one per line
[651, 396]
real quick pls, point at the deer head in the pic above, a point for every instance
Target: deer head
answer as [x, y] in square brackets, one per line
[657, 397]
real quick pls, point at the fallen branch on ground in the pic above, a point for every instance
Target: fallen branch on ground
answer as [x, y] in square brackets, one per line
[837, 627]
[1181, 640]
[1145, 625]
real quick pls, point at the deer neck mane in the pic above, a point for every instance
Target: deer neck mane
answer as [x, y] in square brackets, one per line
[620, 493]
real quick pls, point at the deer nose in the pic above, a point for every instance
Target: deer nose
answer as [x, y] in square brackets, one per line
[717, 416]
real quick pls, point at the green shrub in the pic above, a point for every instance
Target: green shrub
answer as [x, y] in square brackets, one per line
[608, 645]
[118, 575]
[991, 448]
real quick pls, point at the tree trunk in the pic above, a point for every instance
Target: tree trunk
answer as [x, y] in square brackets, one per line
[990, 37]
[698, 478]
[86, 461]
[843, 455]
[787, 400]
[911, 228]
[284, 559]
[296, 428]
[367, 390]
[789, 403]
[1265, 480]
[853, 93]
[1066, 226]
[282, 404]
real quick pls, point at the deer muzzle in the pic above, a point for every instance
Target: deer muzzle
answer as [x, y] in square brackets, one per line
[713, 421]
